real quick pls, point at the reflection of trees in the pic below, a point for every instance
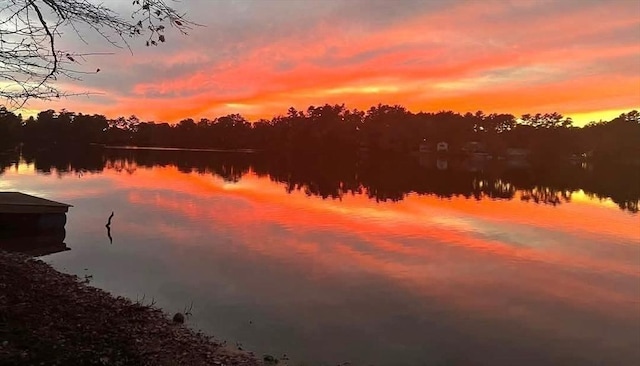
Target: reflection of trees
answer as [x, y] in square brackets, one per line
[382, 179]
[230, 170]
[64, 160]
[546, 195]
[7, 159]
[121, 165]
[620, 183]
[496, 188]
[631, 206]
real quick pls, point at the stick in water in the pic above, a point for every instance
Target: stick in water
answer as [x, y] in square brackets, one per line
[109, 221]
[108, 226]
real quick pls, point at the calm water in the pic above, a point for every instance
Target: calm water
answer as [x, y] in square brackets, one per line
[374, 273]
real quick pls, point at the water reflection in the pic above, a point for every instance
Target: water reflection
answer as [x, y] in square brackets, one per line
[382, 179]
[386, 273]
[36, 245]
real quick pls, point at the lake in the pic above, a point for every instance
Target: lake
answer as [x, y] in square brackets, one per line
[405, 261]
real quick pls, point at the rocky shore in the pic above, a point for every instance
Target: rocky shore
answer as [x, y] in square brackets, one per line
[52, 318]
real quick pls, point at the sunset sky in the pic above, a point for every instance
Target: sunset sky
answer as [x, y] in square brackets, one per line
[258, 58]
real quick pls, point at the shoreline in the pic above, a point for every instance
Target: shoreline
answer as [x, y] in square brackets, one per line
[167, 148]
[51, 318]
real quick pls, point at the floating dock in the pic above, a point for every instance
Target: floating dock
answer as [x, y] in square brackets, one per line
[32, 224]
[22, 212]
[20, 203]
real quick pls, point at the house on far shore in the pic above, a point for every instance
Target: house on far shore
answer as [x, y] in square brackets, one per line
[516, 153]
[518, 157]
[442, 147]
[442, 164]
[474, 147]
[424, 147]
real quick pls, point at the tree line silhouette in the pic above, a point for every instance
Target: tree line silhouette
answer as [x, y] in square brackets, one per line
[389, 178]
[334, 130]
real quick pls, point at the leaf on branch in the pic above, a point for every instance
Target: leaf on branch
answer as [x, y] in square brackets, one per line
[161, 38]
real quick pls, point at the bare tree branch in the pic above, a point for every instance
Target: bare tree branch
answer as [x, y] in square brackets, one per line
[30, 60]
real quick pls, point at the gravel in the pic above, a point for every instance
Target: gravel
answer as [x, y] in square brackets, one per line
[52, 318]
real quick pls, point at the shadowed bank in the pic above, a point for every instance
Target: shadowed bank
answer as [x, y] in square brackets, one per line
[51, 318]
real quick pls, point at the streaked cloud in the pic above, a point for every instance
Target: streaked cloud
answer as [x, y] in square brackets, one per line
[258, 58]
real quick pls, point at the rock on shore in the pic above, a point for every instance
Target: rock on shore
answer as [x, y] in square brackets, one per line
[51, 318]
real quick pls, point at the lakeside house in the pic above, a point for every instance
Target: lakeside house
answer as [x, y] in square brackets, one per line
[442, 164]
[517, 157]
[474, 147]
[514, 153]
[424, 147]
[442, 146]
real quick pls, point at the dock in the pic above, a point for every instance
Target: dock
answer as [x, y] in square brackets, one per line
[32, 225]
[20, 203]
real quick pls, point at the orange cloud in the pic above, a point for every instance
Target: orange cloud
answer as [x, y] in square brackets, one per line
[496, 56]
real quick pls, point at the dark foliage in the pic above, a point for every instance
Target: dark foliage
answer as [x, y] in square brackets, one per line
[387, 178]
[335, 132]
[330, 151]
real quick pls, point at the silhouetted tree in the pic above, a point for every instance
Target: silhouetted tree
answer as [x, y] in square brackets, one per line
[10, 127]
[334, 132]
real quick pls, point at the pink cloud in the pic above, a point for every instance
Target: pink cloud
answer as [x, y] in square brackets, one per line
[496, 56]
